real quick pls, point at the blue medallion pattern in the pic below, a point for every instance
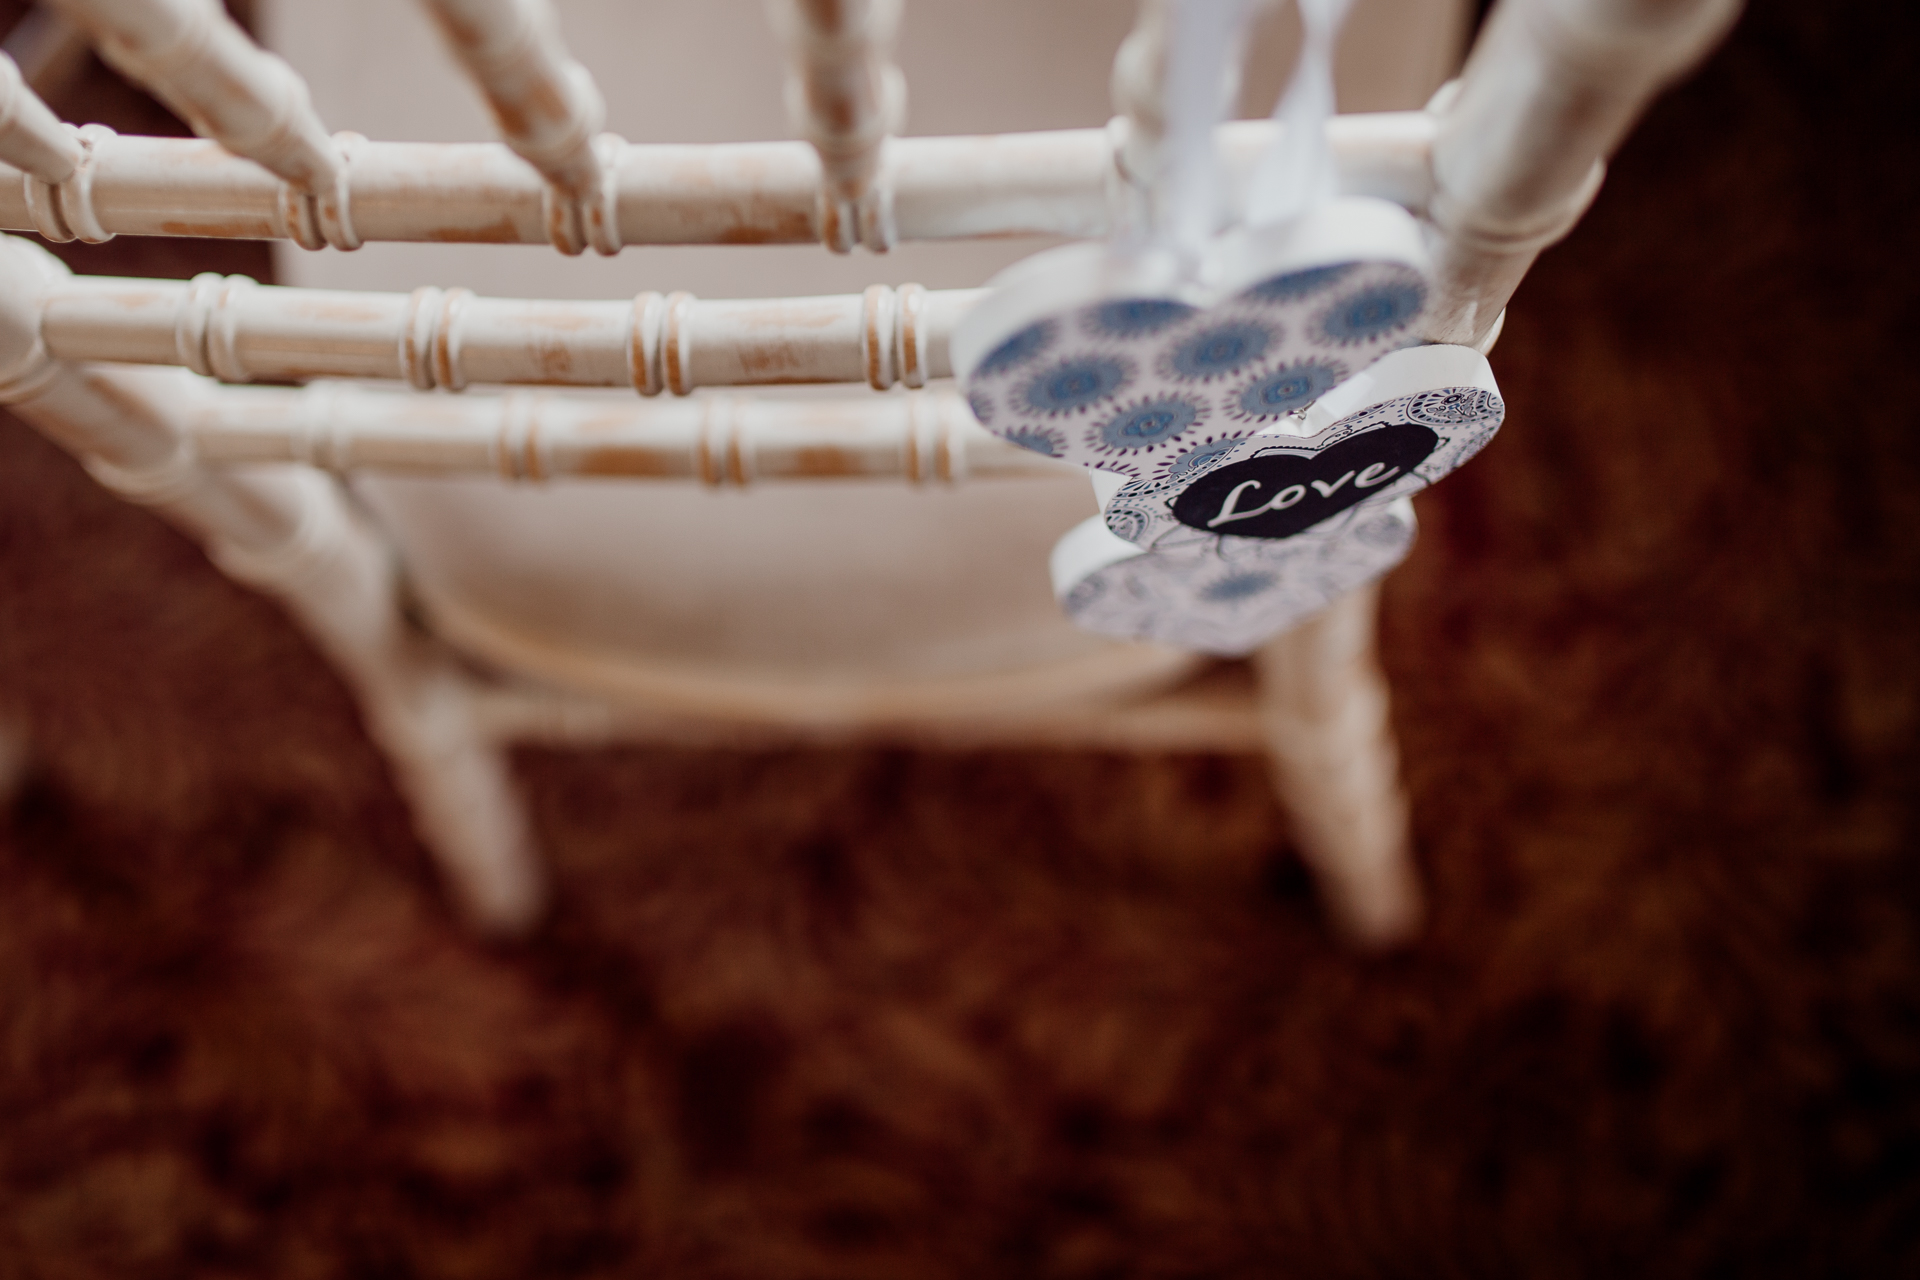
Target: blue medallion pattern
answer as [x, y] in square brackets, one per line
[1373, 313]
[1236, 586]
[1076, 384]
[1288, 390]
[1144, 425]
[1201, 456]
[1038, 439]
[1022, 348]
[1127, 523]
[1221, 350]
[1139, 385]
[1135, 317]
[1301, 284]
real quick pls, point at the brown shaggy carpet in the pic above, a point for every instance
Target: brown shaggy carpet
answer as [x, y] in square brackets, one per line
[850, 1014]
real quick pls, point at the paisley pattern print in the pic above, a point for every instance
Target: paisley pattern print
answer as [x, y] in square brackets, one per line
[1243, 537]
[1228, 595]
[1366, 450]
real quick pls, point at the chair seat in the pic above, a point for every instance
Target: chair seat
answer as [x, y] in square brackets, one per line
[814, 604]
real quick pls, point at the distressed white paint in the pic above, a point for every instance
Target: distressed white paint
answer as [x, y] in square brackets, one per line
[1056, 183]
[846, 97]
[231, 328]
[545, 105]
[921, 438]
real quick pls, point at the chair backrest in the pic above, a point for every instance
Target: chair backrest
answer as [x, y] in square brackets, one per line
[1502, 166]
[792, 598]
[796, 606]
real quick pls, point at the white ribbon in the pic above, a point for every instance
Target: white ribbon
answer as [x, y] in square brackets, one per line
[1293, 175]
[1297, 173]
[1203, 36]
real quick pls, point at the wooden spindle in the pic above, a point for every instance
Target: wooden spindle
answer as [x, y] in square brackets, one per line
[1323, 710]
[846, 97]
[32, 138]
[547, 108]
[199, 62]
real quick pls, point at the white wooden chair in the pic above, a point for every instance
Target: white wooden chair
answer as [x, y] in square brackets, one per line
[129, 374]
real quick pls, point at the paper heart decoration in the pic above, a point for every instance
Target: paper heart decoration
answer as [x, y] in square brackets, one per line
[1384, 434]
[1234, 546]
[1222, 595]
[1143, 364]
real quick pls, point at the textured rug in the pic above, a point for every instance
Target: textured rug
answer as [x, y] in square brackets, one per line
[881, 1014]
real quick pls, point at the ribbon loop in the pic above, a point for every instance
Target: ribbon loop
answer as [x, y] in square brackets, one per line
[1297, 173]
[1202, 40]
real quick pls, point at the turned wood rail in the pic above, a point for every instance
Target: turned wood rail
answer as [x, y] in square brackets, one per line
[230, 328]
[1056, 183]
[920, 437]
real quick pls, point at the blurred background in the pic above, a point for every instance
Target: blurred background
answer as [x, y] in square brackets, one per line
[812, 1013]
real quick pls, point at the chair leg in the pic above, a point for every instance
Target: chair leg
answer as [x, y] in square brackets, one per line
[290, 532]
[462, 797]
[336, 575]
[1323, 708]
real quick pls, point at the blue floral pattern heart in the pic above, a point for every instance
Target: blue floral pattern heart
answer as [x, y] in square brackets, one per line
[1149, 386]
[1223, 595]
[1413, 417]
[1146, 362]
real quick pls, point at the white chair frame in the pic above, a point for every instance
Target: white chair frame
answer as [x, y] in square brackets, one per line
[1502, 163]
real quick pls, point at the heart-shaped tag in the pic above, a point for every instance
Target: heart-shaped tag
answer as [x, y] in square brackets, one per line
[1141, 364]
[1382, 435]
[1222, 595]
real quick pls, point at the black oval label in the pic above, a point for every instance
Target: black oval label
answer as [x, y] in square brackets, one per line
[1278, 495]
